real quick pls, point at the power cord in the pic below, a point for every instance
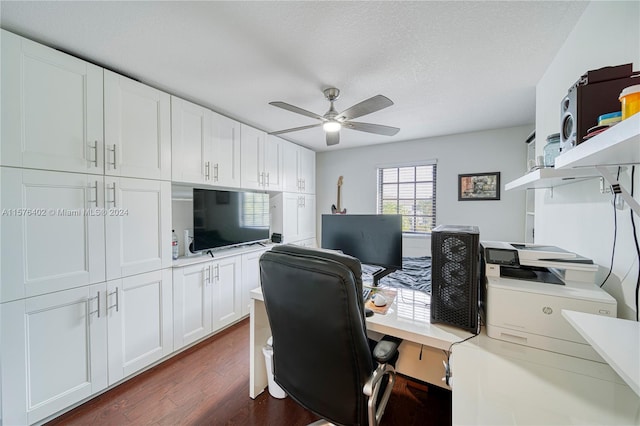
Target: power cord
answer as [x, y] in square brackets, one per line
[447, 364]
[615, 233]
[635, 239]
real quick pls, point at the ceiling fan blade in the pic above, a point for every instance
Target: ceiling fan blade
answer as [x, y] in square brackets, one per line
[295, 129]
[371, 128]
[365, 107]
[296, 109]
[333, 138]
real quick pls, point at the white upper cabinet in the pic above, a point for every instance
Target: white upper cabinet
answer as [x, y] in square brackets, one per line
[52, 106]
[137, 129]
[138, 229]
[299, 169]
[261, 158]
[225, 160]
[191, 141]
[52, 236]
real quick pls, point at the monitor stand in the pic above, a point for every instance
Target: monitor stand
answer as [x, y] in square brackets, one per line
[378, 275]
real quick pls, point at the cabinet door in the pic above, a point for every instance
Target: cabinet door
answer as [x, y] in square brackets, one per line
[226, 152]
[191, 304]
[251, 157]
[137, 129]
[53, 350]
[51, 108]
[250, 278]
[272, 180]
[225, 282]
[290, 178]
[138, 226]
[290, 217]
[52, 239]
[191, 138]
[139, 322]
[307, 217]
[307, 170]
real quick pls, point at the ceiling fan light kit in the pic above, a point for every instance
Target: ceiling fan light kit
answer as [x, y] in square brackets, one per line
[333, 121]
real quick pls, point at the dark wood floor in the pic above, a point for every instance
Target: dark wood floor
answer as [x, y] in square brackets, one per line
[209, 385]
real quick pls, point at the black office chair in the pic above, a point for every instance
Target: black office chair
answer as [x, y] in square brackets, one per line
[322, 356]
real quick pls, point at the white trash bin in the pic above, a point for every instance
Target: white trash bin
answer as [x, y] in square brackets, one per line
[275, 390]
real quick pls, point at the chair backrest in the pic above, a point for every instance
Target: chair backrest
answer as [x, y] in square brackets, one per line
[322, 358]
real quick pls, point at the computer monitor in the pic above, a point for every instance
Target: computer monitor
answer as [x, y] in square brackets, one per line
[372, 238]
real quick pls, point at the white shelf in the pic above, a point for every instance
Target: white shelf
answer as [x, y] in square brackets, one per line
[618, 145]
[550, 177]
[616, 340]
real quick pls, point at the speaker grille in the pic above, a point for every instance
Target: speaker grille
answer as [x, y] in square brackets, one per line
[454, 287]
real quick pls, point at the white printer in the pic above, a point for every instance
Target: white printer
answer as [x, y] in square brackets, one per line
[526, 288]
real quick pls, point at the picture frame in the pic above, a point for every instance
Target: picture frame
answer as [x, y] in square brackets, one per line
[479, 186]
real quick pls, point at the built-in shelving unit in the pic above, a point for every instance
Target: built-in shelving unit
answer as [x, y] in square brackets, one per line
[616, 146]
[549, 177]
[619, 145]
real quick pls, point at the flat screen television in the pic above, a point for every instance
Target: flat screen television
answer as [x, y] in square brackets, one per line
[372, 238]
[229, 218]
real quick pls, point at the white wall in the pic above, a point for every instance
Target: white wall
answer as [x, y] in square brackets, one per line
[577, 217]
[502, 150]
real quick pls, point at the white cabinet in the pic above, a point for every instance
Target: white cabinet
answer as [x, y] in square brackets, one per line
[191, 139]
[261, 160]
[52, 236]
[225, 284]
[51, 108]
[299, 169]
[250, 277]
[140, 322]
[225, 160]
[53, 350]
[294, 216]
[192, 302]
[138, 237]
[137, 129]
[205, 145]
[207, 297]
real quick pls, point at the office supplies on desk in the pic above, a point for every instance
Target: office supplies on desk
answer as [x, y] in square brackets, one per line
[526, 288]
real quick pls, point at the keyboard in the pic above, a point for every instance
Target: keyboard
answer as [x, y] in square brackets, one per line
[366, 291]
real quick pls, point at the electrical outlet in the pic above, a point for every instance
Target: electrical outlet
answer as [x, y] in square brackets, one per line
[605, 188]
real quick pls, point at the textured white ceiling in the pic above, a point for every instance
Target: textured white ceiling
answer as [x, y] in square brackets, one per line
[450, 67]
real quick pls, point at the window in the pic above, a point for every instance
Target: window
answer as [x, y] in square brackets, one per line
[411, 192]
[254, 210]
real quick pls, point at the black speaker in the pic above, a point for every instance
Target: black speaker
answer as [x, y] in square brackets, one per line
[455, 265]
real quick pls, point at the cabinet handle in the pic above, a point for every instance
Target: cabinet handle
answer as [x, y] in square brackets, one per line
[298, 183]
[218, 273]
[94, 200]
[215, 172]
[95, 153]
[114, 194]
[206, 170]
[304, 184]
[268, 180]
[114, 156]
[97, 311]
[117, 304]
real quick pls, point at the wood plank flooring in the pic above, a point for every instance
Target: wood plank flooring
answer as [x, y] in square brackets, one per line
[209, 385]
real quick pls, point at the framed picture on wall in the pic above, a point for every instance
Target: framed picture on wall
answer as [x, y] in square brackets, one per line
[479, 186]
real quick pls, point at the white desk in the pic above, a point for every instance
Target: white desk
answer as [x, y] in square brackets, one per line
[494, 382]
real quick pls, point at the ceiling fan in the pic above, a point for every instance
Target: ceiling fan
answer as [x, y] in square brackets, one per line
[332, 121]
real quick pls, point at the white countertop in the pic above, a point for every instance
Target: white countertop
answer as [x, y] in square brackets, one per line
[616, 340]
[217, 254]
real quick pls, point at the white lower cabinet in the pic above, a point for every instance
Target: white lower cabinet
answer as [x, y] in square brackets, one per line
[140, 322]
[250, 277]
[54, 352]
[191, 304]
[60, 348]
[206, 298]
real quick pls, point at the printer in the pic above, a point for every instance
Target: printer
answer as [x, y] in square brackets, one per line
[527, 286]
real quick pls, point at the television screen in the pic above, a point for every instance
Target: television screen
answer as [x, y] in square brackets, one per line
[374, 239]
[228, 218]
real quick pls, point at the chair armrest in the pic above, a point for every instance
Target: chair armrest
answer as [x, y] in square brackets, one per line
[387, 349]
